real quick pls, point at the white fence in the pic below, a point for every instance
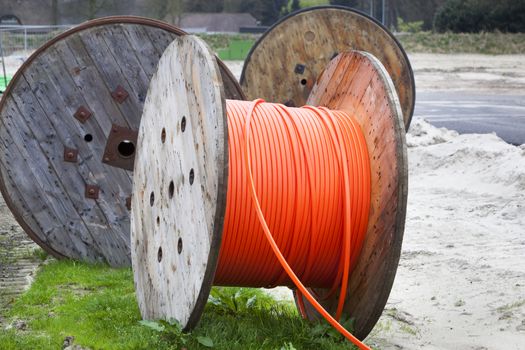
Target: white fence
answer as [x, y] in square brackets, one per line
[22, 39]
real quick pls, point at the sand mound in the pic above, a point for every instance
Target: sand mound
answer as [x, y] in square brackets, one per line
[460, 281]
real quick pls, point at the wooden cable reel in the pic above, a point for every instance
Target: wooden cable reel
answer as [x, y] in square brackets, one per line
[69, 121]
[285, 62]
[181, 175]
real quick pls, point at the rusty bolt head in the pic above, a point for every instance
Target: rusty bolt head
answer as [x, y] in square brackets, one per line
[91, 191]
[70, 155]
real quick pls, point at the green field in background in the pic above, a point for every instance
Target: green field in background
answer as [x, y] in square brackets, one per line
[236, 51]
[4, 82]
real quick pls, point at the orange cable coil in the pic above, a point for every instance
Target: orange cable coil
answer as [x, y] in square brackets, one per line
[301, 178]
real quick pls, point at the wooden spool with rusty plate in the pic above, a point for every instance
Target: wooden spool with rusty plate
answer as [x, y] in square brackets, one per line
[181, 176]
[285, 62]
[69, 121]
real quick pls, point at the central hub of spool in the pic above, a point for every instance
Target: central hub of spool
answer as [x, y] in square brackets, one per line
[120, 147]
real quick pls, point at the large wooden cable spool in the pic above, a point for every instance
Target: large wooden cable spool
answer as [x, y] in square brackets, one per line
[285, 62]
[181, 175]
[69, 122]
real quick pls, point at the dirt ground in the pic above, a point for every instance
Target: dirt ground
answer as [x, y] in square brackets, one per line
[461, 279]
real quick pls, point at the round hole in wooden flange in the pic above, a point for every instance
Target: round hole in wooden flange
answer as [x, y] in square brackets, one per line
[158, 220]
[152, 198]
[126, 149]
[192, 176]
[179, 245]
[309, 36]
[163, 135]
[171, 189]
[159, 254]
[183, 124]
[88, 137]
[303, 81]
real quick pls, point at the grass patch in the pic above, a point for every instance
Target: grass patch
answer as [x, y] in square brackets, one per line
[224, 41]
[495, 43]
[310, 3]
[230, 46]
[96, 305]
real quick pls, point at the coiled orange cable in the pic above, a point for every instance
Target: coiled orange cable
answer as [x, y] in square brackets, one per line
[301, 178]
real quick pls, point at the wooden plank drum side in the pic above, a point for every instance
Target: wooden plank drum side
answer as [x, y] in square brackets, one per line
[180, 185]
[358, 83]
[57, 117]
[285, 62]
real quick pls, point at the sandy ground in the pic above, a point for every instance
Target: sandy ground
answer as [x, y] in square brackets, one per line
[499, 74]
[461, 278]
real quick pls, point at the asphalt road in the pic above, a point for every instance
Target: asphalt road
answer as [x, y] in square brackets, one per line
[470, 112]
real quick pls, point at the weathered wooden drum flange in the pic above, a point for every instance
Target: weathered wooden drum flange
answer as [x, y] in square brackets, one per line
[70, 118]
[284, 63]
[358, 83]
[180, 185]
[181, 176]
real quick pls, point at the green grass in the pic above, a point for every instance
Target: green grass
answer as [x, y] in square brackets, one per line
[230, 46]
[96, 305]
[310, 3]
[237, 51]
[483, 43]
[3, 81]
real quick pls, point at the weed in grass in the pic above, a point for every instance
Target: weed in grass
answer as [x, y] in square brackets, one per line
[407, 329]
[511, 306]
[96, 305]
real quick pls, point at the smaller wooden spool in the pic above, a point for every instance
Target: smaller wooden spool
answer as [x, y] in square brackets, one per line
[285, 62]
[177, 224]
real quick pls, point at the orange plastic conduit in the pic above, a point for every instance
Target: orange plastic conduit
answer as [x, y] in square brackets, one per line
[301, 178]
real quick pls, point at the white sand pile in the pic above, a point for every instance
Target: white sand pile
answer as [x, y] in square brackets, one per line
[461, 278]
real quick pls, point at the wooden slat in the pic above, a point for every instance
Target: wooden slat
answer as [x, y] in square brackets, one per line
[74, 175]
[38, 179]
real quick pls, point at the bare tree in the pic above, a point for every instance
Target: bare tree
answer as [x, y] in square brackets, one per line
[54, 9]
[168, 10]
[94, 6]
[174, 11]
